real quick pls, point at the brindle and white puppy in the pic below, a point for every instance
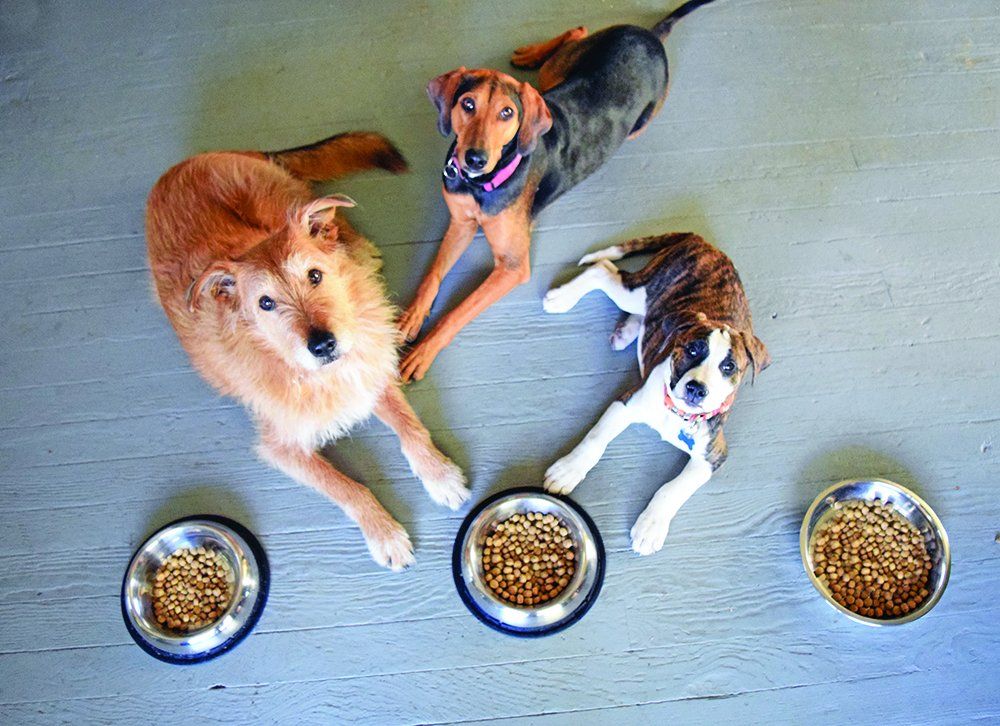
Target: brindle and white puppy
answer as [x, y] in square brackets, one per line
[688, 310]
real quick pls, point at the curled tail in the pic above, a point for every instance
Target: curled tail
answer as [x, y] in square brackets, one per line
[339, 156]
[662, 29]
[637, 246]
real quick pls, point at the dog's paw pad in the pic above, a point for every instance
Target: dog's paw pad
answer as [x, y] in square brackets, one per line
[449, 488]
[649, 533]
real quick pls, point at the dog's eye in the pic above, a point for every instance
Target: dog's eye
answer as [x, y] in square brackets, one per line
[266, 303]
[506, 113]
[727, 367]
[695, 349]
[315, 277]
[468, 105]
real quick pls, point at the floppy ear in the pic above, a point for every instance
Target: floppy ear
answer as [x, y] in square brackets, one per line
[535, 120]
[757, 352]
[219, 279]
[442, 94]
[317, 217]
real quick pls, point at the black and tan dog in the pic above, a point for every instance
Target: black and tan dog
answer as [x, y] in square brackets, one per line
[517, 150]
[688, 310]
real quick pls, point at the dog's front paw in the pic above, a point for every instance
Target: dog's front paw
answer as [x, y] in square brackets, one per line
[649, 531]
[447, 487]
[564, 476]
[389, 545]
[559, 300]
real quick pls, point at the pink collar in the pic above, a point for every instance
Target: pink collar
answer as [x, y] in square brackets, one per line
[696, 417]
[499, 177]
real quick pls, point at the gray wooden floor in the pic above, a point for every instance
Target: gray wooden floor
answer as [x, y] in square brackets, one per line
[845, 154]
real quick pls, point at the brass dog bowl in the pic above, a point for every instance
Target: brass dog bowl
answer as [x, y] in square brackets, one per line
[528, 621]
[906, 503]
[246, 559]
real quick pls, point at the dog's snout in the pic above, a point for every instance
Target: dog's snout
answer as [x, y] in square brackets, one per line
[475, 159]
[322, 343]
[695, 392]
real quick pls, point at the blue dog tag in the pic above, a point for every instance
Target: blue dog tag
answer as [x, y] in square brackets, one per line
[687, 439]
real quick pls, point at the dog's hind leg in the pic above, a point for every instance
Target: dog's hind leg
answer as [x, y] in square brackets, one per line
[387, 541]
[534, 55]
[602, 276]
[626, 332]
[441, 478]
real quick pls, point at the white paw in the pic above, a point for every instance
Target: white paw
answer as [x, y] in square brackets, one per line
[608, 253]
[563, 476]
[391, 547]
[559, 300]
[448, 488]
[649, 532]
[621, 338]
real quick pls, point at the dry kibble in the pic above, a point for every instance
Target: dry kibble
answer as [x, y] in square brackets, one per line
[534, 555]
[873, 560]
[194, 587]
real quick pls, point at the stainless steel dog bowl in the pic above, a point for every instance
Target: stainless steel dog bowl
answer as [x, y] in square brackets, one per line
[908, 504]
[248, 563]
[528, 621]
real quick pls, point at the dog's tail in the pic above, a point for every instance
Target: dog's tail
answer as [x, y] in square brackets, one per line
[655, 243]
[662, 29]
[339, 156]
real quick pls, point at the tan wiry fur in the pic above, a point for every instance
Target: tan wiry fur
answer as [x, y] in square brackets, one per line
[225, 229]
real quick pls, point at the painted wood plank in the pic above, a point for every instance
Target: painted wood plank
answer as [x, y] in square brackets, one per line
[846, 160]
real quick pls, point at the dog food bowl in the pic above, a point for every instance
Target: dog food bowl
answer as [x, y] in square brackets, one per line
[528, 621]
[246, 559]
[906, 503]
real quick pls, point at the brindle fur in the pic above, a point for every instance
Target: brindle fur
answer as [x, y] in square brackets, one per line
[692, 288]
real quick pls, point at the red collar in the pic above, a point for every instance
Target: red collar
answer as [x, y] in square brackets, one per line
[696, 417]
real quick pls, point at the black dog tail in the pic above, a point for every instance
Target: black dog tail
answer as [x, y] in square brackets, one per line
[662, 29]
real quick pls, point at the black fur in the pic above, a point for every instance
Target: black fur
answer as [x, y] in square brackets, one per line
[618, 77]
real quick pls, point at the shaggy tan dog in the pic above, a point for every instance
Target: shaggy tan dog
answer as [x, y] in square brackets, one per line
[279, 303]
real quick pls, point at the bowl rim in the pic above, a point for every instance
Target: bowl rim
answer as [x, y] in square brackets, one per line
[928, 512]
[513, 630]
[264, 580]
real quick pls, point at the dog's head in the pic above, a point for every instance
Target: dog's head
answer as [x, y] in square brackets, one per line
[486, 110]
[708, 361]
[294, 292]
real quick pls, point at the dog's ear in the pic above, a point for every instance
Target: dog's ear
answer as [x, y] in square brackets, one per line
[317, 218]
[218, 279]
[536, 119]
[757, 352]
[442, 94]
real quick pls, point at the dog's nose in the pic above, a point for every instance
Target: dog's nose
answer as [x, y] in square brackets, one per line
[695, 392]
[475, 159]
[321, 343]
